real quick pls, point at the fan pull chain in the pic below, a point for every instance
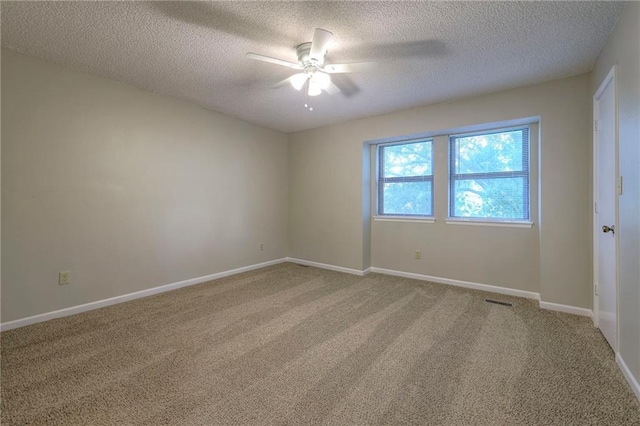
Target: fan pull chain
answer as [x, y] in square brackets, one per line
[306, 97]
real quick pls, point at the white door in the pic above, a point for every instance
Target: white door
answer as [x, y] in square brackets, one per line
[605, 216]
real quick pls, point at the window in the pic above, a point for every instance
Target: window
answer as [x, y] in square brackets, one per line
[489, 175]
[405, 179]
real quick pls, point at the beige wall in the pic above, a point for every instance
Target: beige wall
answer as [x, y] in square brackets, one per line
[623, 49]
[130, 190]
[126, 189]
[506, 257]
[326, 206]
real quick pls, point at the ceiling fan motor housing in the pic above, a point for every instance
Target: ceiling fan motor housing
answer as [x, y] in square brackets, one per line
[311, 57]
[303, 51]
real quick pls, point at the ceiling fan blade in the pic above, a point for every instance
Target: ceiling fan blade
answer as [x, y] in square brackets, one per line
[319, 44]
[296, 80]
[345, 83]
[271, 60]
[344, 68]
[282, 83]
[332, 89]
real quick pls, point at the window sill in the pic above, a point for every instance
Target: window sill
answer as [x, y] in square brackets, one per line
[406, 219]
[505, 224]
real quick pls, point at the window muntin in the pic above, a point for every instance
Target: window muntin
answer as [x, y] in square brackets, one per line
[405, 179]
[489, 175]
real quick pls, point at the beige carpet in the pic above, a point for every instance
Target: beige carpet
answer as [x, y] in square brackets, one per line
[295, 345]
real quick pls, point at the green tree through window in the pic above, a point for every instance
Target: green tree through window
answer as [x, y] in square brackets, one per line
[489, 175]
[405, 179]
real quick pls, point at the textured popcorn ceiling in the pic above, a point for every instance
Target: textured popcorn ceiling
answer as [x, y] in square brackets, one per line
[426, 52]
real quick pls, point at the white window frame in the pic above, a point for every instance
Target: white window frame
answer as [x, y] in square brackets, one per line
[380, 216]
[526, 173]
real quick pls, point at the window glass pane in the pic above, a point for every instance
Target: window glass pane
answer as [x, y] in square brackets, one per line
[407, 198]
[497, 152]
[499, 198]
[412, 159]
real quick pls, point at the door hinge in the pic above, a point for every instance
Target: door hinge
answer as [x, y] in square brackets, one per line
[595, 208]
[596, 290]
[595, 125]
[619, 185]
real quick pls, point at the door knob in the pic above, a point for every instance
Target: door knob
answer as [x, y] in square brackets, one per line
[611, 229]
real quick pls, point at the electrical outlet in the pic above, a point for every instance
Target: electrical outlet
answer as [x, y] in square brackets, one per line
[418, 254]
[261, 246]
[64, 277]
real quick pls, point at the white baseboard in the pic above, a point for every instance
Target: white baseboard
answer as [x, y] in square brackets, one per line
[329, 267]
[130, 296]
[627, 375]
[168, 287]
[567, 309]
[490, 288]
[458, 283]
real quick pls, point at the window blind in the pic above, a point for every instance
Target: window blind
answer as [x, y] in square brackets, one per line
[405, 178]
[489, 175]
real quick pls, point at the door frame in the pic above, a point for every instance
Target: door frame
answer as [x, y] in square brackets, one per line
[610, 78]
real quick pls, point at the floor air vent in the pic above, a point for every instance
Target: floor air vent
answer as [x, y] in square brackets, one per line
[497, 302]
[303, 266]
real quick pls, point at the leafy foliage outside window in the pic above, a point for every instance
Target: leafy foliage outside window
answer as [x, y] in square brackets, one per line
[405, 179]
[489, 175]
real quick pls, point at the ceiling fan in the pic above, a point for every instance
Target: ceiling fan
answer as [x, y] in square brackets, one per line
[315, 73]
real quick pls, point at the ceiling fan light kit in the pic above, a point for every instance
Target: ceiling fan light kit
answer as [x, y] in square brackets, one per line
[314, 89]
[298, 80]
[311, 61]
